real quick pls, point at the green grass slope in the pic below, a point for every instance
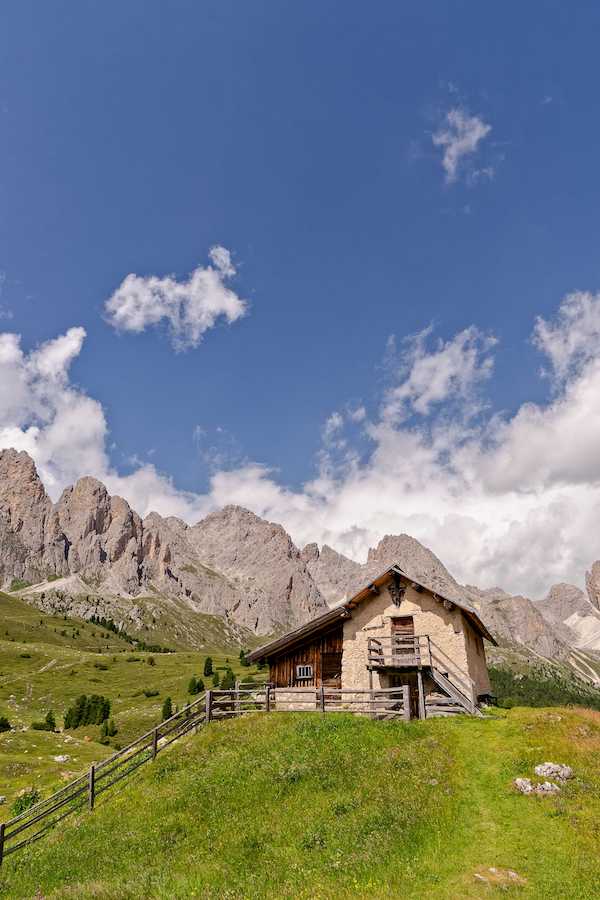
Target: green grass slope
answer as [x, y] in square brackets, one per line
[47, 661]
[304, 806]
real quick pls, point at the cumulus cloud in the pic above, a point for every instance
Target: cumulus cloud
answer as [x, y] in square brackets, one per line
[460, 137]
[573, 337]
[189, 308]
[512, 499]
[452, 370]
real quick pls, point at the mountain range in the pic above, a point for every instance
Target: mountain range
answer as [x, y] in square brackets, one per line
[91, 553]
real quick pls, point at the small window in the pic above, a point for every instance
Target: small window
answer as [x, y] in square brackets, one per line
[304, 672]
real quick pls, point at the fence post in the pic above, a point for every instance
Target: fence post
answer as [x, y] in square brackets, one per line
[2, 828]
[92, 786]
[406, 701]
[208, 706]
[322, 698]
[267, 698]
[154, 743]
[237, 704]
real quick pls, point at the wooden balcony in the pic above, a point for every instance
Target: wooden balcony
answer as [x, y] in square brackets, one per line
[397, 651]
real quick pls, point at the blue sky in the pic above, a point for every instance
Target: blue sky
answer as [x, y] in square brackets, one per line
[309, 140]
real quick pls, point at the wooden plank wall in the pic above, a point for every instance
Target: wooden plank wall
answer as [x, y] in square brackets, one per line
[282, 668]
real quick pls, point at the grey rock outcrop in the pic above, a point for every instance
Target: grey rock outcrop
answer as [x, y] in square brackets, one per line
[232, 564]
[332, 571]
[592, 583]
[572, 613]
[262, 561]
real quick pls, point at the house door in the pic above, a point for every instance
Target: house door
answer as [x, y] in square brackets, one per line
[409, 678]
[403, 641]
[331, 670]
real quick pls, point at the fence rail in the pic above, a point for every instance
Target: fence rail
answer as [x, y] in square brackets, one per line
[35, 822]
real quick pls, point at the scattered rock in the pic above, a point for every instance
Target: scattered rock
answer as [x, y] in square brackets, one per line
[2, 799]
[554, 770]
[524, 785]
[502, 878]
[546, 788]
[62, 758]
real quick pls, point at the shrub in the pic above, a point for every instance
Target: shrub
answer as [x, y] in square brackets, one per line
[243, 658]
[150, 693]
[49, 723]
[167, 709]
[192, 685]
[25, 655]
[216, 679]
[200, 685]
[17, 584]
[25, 801]
[151, 661]
[208, 666]
[4, 724]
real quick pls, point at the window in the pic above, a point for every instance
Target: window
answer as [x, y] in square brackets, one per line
[304, 672]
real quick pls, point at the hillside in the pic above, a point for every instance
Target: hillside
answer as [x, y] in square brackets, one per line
[293, 806]
[46, 662]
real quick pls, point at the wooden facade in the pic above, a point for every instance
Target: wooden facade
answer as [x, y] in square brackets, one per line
[323, 653]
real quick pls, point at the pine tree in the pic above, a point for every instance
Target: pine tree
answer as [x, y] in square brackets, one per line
[228, 682]
[193, 685]
[208, 666]
[200, 685]
[215, 679]
[111, 728]
[243, 658]
[50, 721]
[167, 709]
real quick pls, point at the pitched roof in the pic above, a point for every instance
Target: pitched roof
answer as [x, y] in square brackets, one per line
[343, 611]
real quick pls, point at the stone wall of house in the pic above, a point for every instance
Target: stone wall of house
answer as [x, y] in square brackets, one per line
[446, 629]
[476, 660]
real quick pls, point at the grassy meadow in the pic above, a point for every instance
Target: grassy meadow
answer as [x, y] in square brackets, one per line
[48, 661]
[304, 806]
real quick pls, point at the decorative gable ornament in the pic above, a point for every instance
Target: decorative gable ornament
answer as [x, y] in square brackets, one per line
[397, 590]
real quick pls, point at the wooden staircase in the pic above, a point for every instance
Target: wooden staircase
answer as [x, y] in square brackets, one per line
[451, 702]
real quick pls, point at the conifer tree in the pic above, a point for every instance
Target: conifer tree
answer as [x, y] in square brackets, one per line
[167, 709]
[228, 682]
[215, 679]
[208, 666]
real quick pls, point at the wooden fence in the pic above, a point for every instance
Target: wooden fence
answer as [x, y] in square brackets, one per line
[36, 821]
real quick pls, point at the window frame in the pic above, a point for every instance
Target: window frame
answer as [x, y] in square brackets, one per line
[308, 674]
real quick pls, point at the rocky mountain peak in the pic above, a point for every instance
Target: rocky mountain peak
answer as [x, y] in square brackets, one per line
[592, 583]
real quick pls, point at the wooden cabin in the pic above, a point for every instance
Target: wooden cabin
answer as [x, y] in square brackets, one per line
[395, 631]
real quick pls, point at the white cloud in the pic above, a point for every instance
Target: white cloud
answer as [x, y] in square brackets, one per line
[509, 500]
[190, 308]
[452, 371]
[460, 137]
[573, 338]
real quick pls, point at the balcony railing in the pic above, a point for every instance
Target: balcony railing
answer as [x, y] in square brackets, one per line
[398, 651]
